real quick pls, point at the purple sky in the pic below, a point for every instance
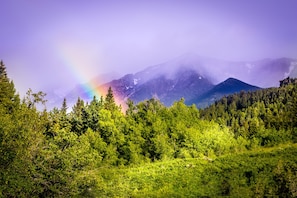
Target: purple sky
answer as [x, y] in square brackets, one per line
[59, 43]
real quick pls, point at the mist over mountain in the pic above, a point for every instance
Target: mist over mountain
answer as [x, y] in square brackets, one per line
[194, 78]
[55, 96]
[263, 73]
[184, 82]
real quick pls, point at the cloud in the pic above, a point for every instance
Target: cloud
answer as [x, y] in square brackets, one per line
[42, 41]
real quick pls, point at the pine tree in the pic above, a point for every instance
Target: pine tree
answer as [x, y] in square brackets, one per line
[109, 103]
[293, 107]
[63, 116]
[64, 107]
[131, 108]
[3, 73]
[76, 119]
[21, 131]
[9, 100]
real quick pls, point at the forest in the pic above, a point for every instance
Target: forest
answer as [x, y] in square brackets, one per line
[244, 145]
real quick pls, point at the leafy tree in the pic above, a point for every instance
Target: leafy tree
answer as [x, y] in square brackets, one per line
[110, 128]
[32, 99]
[62, 162]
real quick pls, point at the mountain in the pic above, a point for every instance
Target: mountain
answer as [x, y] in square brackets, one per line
[229, 86]
[185, 82]
[193, 77]
[263, 73]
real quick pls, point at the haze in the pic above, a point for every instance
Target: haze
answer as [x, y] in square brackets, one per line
[56, 44]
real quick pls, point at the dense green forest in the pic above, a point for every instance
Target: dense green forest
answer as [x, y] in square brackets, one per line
[244, 145]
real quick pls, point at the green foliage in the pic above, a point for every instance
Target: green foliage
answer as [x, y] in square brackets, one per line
[261, 173]
[242, 146]
[176, 132]
[9, 100]
[268, 114]
[21, 138]
[109, 103]
[61, 162]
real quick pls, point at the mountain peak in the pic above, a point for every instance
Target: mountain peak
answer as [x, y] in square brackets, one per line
[234, 85]
[229, 86]
[233, 80]
[191, 76]
[168, 87]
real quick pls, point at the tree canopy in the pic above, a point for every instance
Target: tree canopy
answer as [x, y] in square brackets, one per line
[80, 151]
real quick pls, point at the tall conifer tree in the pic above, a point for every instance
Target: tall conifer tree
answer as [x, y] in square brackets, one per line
[8, 98]
[109, 101]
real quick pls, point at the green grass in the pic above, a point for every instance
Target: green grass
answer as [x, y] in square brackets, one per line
[263, 172]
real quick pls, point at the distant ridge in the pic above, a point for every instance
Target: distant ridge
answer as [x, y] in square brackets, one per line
[229, 86]
[199, 80]
[184, 82]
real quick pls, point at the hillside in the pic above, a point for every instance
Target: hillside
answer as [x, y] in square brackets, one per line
[264, 172]
[242, 145]
[229, 86]
[250, 114]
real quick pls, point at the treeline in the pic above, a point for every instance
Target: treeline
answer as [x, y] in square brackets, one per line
[51, 153]
[268, 115]
[46, 153]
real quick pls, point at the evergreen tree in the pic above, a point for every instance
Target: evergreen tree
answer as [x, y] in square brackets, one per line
[64, 107]
[9, 100]
[76, 117]
[9, 104]
[3, 73]
[293, 107]
[63, 116]
[21, 131]
[109, 102]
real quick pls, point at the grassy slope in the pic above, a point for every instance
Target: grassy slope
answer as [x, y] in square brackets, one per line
[269, 171]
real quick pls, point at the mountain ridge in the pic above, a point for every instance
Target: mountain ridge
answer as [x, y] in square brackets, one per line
[184, 82]
[229, 86]
[190, 76]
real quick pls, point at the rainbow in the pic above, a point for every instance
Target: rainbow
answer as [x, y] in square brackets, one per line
[75, 60]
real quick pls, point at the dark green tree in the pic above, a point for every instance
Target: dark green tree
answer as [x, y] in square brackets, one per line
[9, 100]
[109, 102]
[64, 107]
[21, 129]
[76, 117]
[9, 105]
